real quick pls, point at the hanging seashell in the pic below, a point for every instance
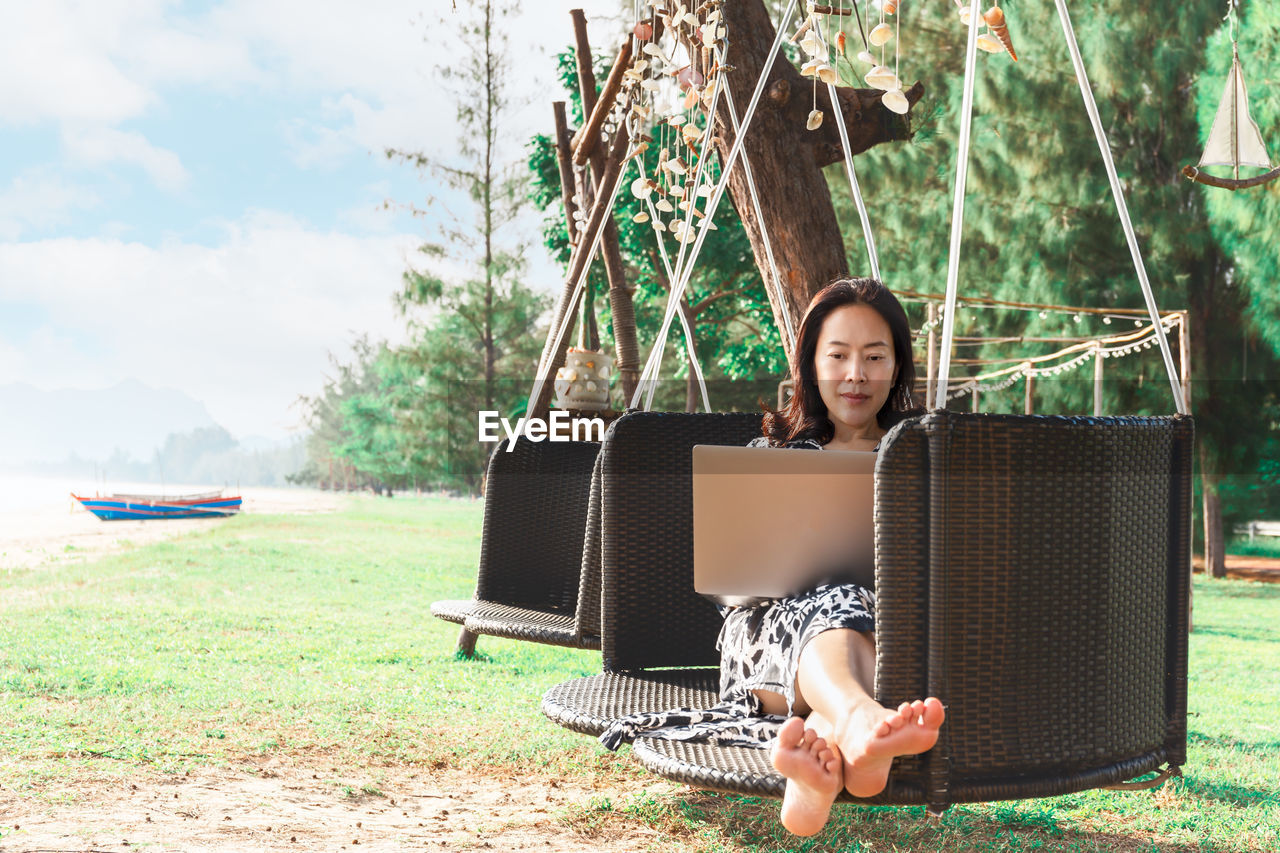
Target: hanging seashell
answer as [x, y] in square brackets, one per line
[643, 31]
[813, 45]
[649, 84]
[664, 206]
[658, 225]
[810, 68]
[640, 218]
[990, 43]
[895, 101]
[640, 111]
[890, 6]
[677, 167]
[691, 19]
[711, 34]
[687, 77]
[995, 20]
[815, 120]
[882, 77]
[707, 224]
[705, 190]
[827, 73]
[676, 120]
[965, 15]
[865, 56]
[691, 133]
[640, 65]
[640, 188]
[840, 40]
[690, 98]
[632, 74]
[639, 149]
[653, 50]
[880, 34]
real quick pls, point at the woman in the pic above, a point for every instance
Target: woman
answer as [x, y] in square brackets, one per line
[798, 673]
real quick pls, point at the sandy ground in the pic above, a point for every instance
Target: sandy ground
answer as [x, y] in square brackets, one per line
[298, 810]
[68, 532]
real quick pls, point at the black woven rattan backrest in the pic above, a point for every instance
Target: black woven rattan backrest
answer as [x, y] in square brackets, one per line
[535, 510]
[588, 619]
[1049, 577]
[651, 617]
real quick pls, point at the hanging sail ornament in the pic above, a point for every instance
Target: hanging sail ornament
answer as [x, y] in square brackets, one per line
[1234, 139]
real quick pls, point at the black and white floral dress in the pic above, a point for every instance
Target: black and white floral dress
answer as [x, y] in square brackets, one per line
[759, 650]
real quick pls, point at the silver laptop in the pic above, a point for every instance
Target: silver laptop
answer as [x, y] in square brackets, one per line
[773, 522]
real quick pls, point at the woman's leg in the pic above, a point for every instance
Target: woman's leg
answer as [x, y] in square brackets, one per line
[834, 684]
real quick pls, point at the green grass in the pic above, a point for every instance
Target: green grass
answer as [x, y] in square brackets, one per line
[306, 639]
[1261, 546]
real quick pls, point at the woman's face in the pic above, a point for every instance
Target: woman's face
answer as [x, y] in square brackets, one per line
[855, 367]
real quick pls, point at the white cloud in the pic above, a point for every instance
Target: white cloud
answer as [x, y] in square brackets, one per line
[100, 146]
[244, 326]
[40, 198]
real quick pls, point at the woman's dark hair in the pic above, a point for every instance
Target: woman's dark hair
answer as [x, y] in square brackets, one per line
[805, 415]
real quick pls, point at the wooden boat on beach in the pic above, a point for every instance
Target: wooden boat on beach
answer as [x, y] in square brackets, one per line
[136, 507]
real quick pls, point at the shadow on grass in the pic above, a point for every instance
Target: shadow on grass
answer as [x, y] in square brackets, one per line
[1244, 635]
[1230, 794]
[1237, 589]
[751, 823]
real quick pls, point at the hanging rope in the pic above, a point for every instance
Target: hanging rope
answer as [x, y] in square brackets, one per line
[655, 356]
[1121, 207]
[872, 257]
[776, 280]
[684, 323]
[957, 208]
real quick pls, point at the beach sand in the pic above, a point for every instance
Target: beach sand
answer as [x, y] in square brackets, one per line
[67, 532]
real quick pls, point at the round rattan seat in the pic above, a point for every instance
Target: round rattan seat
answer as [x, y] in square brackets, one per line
[455, 610]
[589, 704]
[528, 624]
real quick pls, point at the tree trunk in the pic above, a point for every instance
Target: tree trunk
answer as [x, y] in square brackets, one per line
[1215, 558]
[787, 159]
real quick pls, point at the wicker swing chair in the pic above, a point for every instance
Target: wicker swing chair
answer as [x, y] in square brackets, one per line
[1033, 572]
[536, 532]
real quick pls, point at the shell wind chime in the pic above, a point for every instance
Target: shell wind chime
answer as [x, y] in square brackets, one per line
[671, 87]
[996, 39]
[813, 36]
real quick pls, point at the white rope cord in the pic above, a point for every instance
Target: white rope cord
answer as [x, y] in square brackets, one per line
[655, 356]
[872, 257]
[684, 323]
[957, 209]
[544, 367]
[755, 206]
[1121, 207]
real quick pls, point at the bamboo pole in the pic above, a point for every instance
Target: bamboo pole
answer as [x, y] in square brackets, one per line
[587, 140]
[563, 161]
[1026, 404]
[623, 311]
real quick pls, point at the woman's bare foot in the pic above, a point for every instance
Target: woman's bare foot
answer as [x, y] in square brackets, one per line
[814, 777]
[871, 736]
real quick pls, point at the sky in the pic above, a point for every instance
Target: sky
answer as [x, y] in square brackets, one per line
[192, 194]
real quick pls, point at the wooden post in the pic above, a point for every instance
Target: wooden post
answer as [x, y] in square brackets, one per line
[563, 161]
[1097, 382]
[1026, 405]
[973, 401]
[624, 315]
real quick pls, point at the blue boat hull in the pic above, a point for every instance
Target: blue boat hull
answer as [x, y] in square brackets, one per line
[118, 510]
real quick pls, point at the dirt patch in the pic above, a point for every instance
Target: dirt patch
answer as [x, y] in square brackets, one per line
[296, 809]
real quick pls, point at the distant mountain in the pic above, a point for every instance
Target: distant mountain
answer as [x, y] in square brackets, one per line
[49, 426]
